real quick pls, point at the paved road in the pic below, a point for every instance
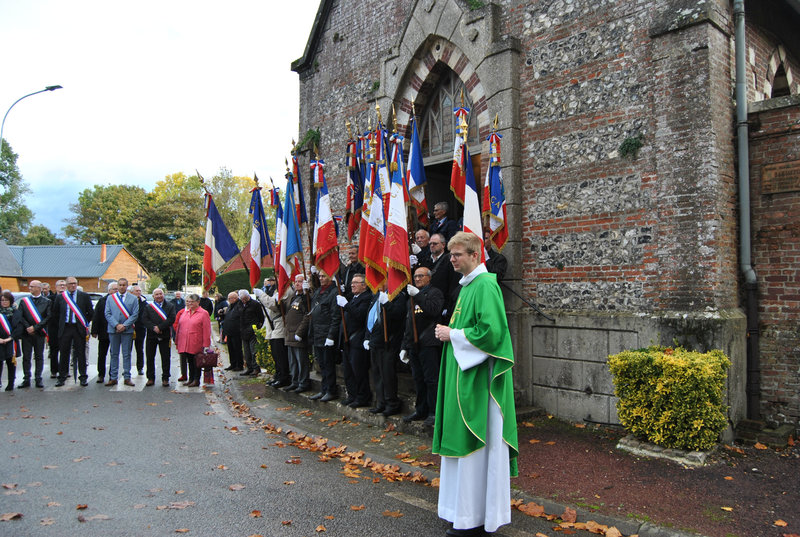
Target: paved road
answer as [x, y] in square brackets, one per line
[154, 460]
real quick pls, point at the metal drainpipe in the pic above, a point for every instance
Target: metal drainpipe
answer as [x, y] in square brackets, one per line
[750, 280]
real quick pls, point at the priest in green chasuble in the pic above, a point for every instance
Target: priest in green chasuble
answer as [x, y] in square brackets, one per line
[476, 429]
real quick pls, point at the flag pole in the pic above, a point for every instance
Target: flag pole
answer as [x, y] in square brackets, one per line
[409, 223]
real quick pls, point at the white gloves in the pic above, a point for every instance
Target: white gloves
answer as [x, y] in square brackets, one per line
[306, 286]
[275, 296]
[404, 356]
[314, 270]
[414, 248]
[412, 259]
[383, 298]
[258, 292]
[328, 342]
[366, 344]
[412, 291]
[341, 301]
[297, 338]
[343, 288]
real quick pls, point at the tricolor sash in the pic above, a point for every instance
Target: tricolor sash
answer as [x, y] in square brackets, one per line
[4, 322]
[30, 305]
[158, 310]
[75, 310]
[121, 305]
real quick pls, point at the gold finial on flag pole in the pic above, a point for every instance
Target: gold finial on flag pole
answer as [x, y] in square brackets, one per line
[413, 110]
[378, 111]
[496, 117]
[462, 97]
[349, 130]
[394, 120]
[255, 179]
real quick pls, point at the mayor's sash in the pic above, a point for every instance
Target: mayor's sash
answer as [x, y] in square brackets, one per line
[121, 305]
[30, 305]
[75, 310]
[4, 322]
[158, 310]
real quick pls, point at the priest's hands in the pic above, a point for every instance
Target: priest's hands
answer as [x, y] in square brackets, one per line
[442, 332]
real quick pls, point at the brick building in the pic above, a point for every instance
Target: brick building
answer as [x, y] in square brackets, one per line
[622, 248]
[94, 265]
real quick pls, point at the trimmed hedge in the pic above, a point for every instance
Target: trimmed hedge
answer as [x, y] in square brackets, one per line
[671, 397]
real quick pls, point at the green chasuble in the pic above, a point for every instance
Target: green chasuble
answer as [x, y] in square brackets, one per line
[463, 397]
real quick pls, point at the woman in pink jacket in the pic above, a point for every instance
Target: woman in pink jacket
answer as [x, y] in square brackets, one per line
[192, 335]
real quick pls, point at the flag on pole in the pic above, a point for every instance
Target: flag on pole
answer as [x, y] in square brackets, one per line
[494, 196]
[416, 177]
[275, 199]
[459, 148]
[299, 196]
[372, 236]
[382, 165]
[355, 190]
[463, 178]
[326, 246]
[395, 247]
[369, 181]
[219, 246]
[289, 240]
[260, 244]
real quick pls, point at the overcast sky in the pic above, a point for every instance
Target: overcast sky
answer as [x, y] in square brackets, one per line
[150, 89]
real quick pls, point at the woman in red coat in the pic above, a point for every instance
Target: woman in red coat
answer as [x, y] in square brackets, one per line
[192, 335]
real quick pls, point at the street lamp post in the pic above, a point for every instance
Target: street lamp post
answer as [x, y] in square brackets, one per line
[2, 126]
[186, 274]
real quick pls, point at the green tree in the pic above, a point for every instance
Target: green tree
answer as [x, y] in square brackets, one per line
[39, 235]
[15, 217]
[105, 214]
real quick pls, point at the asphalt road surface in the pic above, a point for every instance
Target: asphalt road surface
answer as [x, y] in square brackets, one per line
[141, 461]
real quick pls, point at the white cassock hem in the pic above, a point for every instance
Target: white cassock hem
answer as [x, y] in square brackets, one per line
[476, 490]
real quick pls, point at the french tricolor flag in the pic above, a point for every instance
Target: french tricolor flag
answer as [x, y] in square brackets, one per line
[463, 180]
[288, 238]
[260, 245]
[219, 245]
[326, 249]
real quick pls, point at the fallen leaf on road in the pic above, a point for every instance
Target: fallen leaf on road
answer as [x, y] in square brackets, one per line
[780, 523]
[393, 514]
[531, 509]
[50, 467]
[533, 441]
[729, 509]
[728, 478]
[357, 507]
[759, 445]
[286, 522]
[284, 408]
[9, 485]
[182, 530]
[526, 424]
[288, 482]
[329, 517]
[53, 504]
[570, 515]
[390, 427]
[613, 532]
[222, 467]
[423, 448]
[264, 466]
[255, 514]
[140, 506]
[320, 529]
[98, 517]
[237, 486]
[9, 516]
[81, 506]
[551, 443]
[435, 482]
[49, 521]
[174, 505]
[580, 425]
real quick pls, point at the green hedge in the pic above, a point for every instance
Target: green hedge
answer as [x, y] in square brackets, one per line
[671, 397]
[238, 279]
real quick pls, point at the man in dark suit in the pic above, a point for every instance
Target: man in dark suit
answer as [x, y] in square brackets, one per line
[424, 354]
[52, 329]
[73, 309]
[356, 358]
[443, 276]
[442, 224]
[421, 256]
[158, 317]
[35, 318]
[100, 331]
[384, 348]
[322, 334]
[139, 329]
[232, 332]
[347, 272]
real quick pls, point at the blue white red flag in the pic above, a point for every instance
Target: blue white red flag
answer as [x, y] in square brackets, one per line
[326, 244]
[464, 176]
[494, 196]
[373, 237]
[219, 246]
[289, 240]
[415, 177]
[299, 196]
[381, 152]
[260, 245]
[355, 190]
[369, 181]
[275, 197]
[395, 246]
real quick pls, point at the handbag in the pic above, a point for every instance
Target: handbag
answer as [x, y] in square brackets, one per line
[207, 358]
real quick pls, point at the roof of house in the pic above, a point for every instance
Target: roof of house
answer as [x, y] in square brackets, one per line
[80, 260]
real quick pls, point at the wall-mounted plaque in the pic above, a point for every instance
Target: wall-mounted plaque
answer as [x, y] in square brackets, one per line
[781, 177]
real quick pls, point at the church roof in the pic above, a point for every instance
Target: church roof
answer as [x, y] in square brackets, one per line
[304, 62]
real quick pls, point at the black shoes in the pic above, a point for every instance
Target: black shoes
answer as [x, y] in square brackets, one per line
[347, 401]
[302, 389]
[289, 388]
[357, 404]
[327, 397]
[429, 421]
[316, 396]
[416, 416]
[392, 411]
[39, 384]
[59, 383]
[376, 410]
[472, 532]
[25, 384]
[10, 388]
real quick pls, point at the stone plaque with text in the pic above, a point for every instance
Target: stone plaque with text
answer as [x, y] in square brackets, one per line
[781, 177]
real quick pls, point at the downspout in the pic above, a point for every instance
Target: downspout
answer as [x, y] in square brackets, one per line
[745, 261]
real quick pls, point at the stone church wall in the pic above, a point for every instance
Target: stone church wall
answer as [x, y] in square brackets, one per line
[622, 251]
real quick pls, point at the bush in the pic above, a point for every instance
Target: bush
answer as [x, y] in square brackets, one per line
[263, 352]
[238, 279]
[671, 397]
